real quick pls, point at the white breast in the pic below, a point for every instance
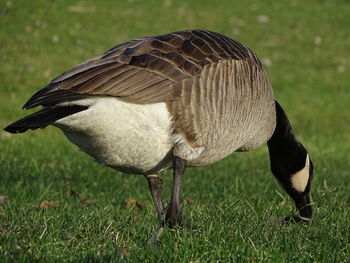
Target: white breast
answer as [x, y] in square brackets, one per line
[132, 138]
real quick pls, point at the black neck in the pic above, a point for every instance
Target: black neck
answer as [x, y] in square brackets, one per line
[287, 155]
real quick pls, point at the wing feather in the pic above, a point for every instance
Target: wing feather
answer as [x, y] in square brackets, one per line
[145, 70]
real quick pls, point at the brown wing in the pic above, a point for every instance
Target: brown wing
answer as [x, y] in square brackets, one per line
[146, 70]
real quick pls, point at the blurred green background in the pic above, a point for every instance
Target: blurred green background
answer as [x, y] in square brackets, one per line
[305, 49]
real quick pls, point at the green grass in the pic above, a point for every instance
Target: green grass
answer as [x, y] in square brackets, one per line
[229, 205]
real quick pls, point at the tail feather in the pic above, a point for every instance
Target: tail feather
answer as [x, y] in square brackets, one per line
[42, 118]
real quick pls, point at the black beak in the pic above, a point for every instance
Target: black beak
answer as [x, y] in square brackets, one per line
[303, 204]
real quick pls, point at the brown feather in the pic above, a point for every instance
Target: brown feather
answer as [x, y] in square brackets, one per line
[147, 65]
[228, 106]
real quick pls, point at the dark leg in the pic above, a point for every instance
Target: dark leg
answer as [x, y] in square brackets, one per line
[155, 185]
[173, 215]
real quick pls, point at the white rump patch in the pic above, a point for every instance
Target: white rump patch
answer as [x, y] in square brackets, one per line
[300, 179]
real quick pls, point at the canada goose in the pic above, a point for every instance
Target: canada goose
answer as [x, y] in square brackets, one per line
[187, 98]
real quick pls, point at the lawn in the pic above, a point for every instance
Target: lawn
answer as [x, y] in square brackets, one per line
[61, 206]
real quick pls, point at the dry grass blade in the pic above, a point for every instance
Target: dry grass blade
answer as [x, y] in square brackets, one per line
[49, 204]
[71, 193]
[84, 201]
[132, 202]
[2, 199]
[123, 252]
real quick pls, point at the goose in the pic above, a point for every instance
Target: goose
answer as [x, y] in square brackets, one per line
[177, 100]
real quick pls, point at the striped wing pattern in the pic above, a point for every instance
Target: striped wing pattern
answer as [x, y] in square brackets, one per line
[145, 70]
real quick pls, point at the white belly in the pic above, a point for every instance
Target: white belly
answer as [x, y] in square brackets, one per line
[128, 137]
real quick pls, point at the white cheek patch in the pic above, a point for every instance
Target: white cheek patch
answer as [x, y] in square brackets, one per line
[300, 179]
